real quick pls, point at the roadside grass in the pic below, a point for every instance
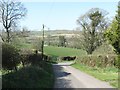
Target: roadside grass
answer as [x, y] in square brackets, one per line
[30, 77]
[63, 51]
[109, 74]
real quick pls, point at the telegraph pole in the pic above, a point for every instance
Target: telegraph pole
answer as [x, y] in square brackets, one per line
[42, 41]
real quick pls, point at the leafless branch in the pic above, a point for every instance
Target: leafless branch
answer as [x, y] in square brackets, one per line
[10, 13]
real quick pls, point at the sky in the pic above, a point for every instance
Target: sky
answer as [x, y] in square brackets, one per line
[61, 15]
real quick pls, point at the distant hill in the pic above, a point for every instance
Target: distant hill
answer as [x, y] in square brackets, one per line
[55, 32]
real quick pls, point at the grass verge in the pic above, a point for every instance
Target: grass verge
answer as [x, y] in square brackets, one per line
[30, 77]
[109, 74]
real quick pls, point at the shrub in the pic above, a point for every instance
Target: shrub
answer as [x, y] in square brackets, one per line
[117, 62]
[34, 59]
[24, 54]
[28, 57]
[99, 61]
[10, 57]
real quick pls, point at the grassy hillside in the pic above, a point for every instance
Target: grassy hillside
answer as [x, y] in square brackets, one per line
[30, 77]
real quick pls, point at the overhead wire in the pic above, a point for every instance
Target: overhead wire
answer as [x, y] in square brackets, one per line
[48, 16]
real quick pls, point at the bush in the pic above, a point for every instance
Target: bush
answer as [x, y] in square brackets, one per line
[99, 61]
[34, 59]
[117, 62]
[24, 54]
[10, 57]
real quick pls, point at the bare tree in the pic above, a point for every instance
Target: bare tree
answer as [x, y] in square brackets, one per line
[93, 24]
[10, 13]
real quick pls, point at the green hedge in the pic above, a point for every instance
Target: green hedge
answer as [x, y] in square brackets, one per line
[99, 60]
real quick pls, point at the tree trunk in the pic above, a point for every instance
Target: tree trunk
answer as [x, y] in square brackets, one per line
[8, 35]
[15, 68]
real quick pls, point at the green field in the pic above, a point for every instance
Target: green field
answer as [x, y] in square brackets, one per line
[61, 51]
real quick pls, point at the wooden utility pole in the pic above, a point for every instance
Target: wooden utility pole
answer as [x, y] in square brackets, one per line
[43, 42]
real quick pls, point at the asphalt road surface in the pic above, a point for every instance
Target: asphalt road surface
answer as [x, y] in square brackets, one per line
[69, 77]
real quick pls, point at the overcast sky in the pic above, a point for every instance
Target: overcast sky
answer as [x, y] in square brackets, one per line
[61, 15]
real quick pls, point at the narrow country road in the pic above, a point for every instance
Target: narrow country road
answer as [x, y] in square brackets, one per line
[69, 77]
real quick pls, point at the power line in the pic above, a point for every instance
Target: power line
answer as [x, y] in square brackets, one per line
[43, 27]
[49, 13]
